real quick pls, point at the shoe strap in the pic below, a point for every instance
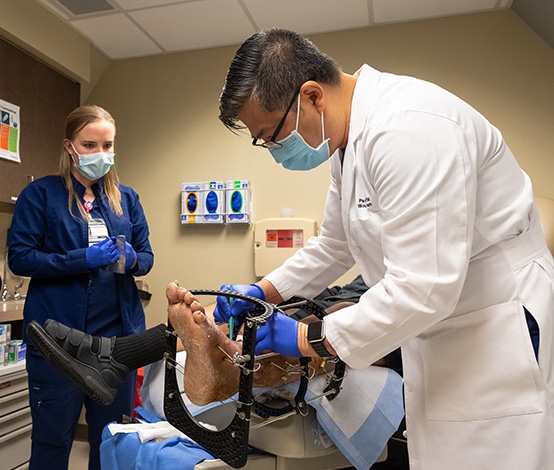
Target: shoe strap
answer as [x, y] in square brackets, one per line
[75, 337]
[105, 348]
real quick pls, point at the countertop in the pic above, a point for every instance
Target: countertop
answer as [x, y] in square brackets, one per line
[5, 370]
[11, 310]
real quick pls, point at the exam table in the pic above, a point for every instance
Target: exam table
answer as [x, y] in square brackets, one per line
[296, 442]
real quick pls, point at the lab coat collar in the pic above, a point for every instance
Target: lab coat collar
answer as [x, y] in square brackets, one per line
[368, 78]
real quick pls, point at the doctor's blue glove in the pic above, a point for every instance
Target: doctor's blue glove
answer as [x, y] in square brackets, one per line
[130, 256]
[101, 253]
[225, 309]
[279, 334]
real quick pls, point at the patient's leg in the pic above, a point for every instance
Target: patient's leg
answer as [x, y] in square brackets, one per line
[209, 375]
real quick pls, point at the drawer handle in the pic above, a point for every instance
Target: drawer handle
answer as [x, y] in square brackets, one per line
[21, 393]
[16, 433]
[14, 376]
[15, 414]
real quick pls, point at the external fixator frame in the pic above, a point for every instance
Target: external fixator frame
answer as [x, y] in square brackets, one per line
[231, 443]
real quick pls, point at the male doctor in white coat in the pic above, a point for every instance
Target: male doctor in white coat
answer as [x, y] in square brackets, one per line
[430, 204]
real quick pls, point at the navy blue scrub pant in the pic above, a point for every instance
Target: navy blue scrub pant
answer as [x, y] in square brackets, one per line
[56, 405]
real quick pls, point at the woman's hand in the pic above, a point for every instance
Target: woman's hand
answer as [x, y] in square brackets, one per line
[101, 253]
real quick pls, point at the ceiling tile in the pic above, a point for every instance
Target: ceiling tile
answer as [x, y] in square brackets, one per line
[388, 11]
[309, 16]
[196, 25]
[146, 27]
[116, 36]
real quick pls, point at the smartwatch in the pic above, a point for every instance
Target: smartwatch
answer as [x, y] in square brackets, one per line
[315, 336]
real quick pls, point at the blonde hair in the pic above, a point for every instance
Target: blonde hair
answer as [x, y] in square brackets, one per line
[75, 122]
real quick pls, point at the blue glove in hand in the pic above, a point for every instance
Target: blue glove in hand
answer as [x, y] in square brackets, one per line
[130, 256]
[225, 309]
[279, 334]
[101, 253]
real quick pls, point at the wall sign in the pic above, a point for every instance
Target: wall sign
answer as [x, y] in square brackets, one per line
[9, 132]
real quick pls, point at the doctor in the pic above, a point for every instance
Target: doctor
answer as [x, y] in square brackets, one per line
[430, 204]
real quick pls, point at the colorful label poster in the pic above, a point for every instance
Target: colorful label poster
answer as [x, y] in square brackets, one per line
[9, 132]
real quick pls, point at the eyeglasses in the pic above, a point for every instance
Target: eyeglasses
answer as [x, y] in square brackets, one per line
[271, 144]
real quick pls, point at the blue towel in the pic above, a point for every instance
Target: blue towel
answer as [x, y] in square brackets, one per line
[127, 452]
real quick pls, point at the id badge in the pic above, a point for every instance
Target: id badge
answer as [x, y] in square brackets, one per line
[97, 231]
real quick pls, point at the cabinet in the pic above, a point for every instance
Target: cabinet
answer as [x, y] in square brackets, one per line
[15, 417]
[45, 98]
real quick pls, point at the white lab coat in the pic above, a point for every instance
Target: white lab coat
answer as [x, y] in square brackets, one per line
[434, 210]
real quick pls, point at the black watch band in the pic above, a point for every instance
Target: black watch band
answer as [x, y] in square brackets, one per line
[315, 336]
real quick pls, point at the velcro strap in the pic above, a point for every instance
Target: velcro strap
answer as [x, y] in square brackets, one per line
[76, 337]
[105, 348]
[58, 330]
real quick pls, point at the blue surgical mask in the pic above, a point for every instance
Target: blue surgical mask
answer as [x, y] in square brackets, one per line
[295, 154]
[94, 165]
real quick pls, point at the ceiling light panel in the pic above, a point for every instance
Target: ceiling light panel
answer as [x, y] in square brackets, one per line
[389, 11]
[117, 36]
[196, 25]
[55, 9]
[309, 16]
[85, 7]
[138, 4]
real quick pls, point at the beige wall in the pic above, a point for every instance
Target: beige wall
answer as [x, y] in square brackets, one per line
[168, 132]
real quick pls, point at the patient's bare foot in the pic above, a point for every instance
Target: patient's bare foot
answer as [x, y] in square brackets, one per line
[209, 376]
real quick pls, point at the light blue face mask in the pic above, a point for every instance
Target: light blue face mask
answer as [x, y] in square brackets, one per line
[94, 165]
[295, 154]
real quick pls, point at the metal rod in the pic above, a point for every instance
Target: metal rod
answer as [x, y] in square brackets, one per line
[292, 305]
[266, 355]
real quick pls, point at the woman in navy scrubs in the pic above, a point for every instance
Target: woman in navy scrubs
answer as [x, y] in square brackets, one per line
[62, 237]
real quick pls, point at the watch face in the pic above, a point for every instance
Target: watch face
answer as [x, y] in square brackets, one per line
[315, 331]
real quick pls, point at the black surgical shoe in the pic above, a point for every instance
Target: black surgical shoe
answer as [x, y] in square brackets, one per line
[71, 351]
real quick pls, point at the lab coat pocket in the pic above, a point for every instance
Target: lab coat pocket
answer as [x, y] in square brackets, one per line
[481, 365]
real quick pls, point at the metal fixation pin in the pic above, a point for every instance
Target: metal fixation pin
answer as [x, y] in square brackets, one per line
[239, 361]
[266, 355]
[171, 363]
